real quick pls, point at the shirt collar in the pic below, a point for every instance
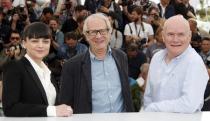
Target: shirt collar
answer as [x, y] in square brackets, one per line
[37, 68]
[93, 57]
[179, 56]
[184, 53]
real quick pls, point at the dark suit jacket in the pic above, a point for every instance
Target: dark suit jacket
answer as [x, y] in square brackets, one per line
[206, 105]
[169, 12]
[23, 93]
[76, 82]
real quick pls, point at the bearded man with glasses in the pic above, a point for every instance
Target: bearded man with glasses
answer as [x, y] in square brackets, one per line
[14, 50]
[97, 81]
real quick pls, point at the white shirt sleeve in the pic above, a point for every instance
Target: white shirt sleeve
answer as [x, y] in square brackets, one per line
[119, 40]
[147, 93]
[127, 30]
[149, 29]
[51, 111]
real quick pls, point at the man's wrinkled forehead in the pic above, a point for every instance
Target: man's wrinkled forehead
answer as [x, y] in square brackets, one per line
[94, 19]
[177, 20]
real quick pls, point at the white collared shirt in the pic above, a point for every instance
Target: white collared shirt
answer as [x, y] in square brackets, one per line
[44, 75]
[177, 86]
[163, 10]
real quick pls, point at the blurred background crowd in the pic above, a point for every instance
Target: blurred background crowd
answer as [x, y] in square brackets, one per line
[136, 29]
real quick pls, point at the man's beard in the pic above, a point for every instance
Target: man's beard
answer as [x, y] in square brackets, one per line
[136, 20]
[72, 48]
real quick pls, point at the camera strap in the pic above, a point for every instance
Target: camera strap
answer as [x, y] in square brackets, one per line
[130, 29]
[137, 32]
[136, 28]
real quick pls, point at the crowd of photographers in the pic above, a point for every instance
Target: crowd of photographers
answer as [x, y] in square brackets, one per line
[136, 29]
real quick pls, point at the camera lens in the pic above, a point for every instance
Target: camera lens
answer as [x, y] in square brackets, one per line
[156, 17]
[143, 41]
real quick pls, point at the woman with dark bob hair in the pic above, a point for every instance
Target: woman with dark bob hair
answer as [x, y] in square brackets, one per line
[28, 88]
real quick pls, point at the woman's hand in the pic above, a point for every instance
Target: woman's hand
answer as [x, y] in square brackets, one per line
[63, 110]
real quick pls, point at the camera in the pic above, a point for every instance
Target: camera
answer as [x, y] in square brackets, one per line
[20, 11]
[156, 17]
[13, 50]
[145, 4]
[141, 42]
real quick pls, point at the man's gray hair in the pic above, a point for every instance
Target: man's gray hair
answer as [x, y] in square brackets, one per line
[100, 16]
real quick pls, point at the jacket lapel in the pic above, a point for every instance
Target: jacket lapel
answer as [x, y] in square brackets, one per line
[117, 61]
[35, 77]
[119, 66]
[57, 88]
[86, 67]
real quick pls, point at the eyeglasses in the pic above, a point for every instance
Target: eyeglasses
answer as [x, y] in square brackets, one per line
[95, 32]
[13, 38]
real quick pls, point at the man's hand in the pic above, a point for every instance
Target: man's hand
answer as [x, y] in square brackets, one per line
[104, 9]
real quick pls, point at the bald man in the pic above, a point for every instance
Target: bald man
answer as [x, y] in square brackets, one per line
[177, 76]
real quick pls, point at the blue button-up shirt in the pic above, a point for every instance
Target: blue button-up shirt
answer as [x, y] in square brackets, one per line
[106, 85]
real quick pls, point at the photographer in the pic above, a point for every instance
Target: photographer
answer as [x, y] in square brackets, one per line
[19, 18]
[154, 19]
[70, 24]
[138, 31]
[4, 29]
[110, 6]
[93, 5]
[47, 14]
[65, 9]
[205, 54]
[182, 7]
[15, 51]
[71, 47]
[166, 10]
[157, 46]
[135, 59]
[196, 35]
[57, 34]
[34, 10]
[144, 4]
[6, 5]
[205, 51]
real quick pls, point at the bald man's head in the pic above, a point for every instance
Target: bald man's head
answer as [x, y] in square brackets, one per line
[177, 20]
[176, 35]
